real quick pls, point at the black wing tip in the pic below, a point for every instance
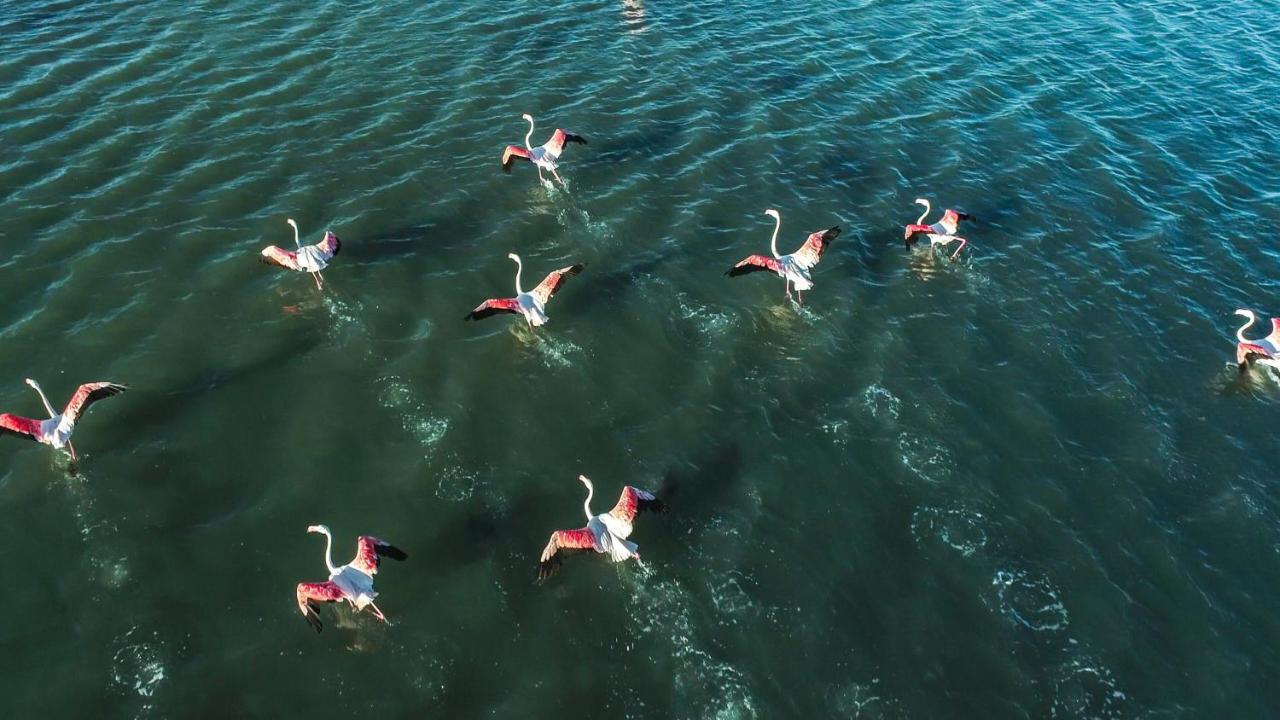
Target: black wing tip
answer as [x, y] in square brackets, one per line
[548, 567]
[570, 137]
[313, 617]
[392, 552]
[656, 505]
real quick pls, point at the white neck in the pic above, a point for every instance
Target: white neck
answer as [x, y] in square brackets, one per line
[927, 209]
[529, 135]
[296, 240]
[586, 504]
[45, 400]
[1239, 333]
[773, 243]
[519, 269]
[328, 552]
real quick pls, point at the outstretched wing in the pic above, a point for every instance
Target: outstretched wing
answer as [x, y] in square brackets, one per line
[563, 542]
[553, 282]
[309, 594]
[1274, 337]
[329, 246]
[273, 255]
[493, 306]
[555, 145]
[88, 394]
[631, 503]
[814, 246]
[370, 551]
[951, 220]
[510, 154]
[20, 426]
[1245, 352]
[753, 263]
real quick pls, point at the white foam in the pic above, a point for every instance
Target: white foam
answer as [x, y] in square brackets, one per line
[963, 530]
[426, 428]
[137, 666]
[456, 484]
[925, 457]
[1084, 688]
[1032, 602]
[880, 403]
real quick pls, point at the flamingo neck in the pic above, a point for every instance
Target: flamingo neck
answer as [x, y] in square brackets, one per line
[529, 135]
[1248, 324]
[45, 400]
[773, 243]
[586, 504]
[328, 553]
[519, 269]
[927, 209]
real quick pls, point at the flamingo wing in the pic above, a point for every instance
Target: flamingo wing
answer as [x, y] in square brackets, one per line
[563, 542]
[634, 501]
[20, 426]
[370, 551]
[814, 246]
[753, 263]
[951, 220]
[555, 145]
[510, 154]
[88, 394]
[1274, 337]
[273, 255]
[329, 246]
[493, 306]
[309, 594]
[552, 283]
[1245, 352]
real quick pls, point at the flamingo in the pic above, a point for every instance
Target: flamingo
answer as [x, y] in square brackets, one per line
[56, 431]
[793, 268]
[311, 258]
[1263, 351]
[942, 232]
[545, 156]
[352, 582]
[532, 304]
[604, 533]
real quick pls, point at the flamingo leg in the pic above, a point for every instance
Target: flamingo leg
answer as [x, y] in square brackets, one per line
[316, 276]
[378, 613]
[557, 176]
[540, 177]
[72, 449]
[963, 242]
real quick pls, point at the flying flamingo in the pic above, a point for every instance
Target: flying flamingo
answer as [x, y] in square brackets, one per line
[545, 156]
[56, 431]
[793, 268]
[604, 533]
[942, 232]
[1264, 351]
[532, 304]
[352, 582]
[311, 258]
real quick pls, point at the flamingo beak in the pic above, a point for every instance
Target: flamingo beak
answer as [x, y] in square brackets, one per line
[313, 528]
[513, 256]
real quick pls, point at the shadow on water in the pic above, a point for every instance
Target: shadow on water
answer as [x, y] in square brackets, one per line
[695, 491]
[659, 137]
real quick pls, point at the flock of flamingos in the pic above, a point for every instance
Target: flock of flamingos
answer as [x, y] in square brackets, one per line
[606, 532]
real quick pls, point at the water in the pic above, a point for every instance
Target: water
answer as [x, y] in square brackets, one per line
[1025, 484]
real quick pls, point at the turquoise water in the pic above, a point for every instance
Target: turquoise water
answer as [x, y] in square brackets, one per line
[1025, 484]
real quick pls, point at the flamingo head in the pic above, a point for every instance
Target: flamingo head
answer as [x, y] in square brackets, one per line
[514, 257]
[322, 529]
[527, 117]
[585, 481]
[922, 201]
[36, 385]
[291, 222]
[1240, 311]
[773, 214]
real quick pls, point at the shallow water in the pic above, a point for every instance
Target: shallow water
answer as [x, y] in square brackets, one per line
[1024, 484]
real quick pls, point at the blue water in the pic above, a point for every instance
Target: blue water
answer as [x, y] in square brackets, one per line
[1028, 483]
